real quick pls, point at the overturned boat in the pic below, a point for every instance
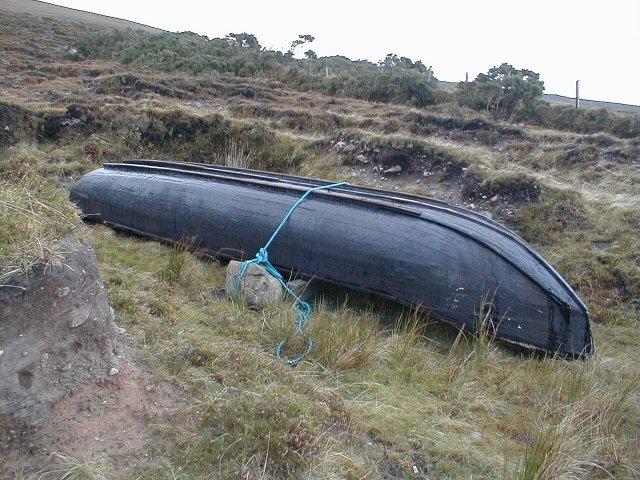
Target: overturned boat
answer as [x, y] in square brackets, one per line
[421, 252]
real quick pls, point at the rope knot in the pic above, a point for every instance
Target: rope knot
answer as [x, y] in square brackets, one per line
[262, 257]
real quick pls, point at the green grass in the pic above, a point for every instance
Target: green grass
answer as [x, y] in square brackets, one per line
[371, 396]
[384, 390]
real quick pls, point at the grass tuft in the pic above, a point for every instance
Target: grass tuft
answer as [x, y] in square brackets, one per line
[33, 219]
[342, 339]
[407, 349]
[233, 155]
[174, 270]
[575, 432]
[68, 467]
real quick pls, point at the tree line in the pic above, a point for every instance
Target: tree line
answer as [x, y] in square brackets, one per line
[395, 79]
[504, 92]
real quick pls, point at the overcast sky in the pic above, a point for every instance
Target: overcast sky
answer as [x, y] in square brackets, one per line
[596, 42]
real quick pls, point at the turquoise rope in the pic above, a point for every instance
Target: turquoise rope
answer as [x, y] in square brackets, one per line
[302, 308]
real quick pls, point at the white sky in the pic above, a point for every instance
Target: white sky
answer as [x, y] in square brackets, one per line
[596, 42]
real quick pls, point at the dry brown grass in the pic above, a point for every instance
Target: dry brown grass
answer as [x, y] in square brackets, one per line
[33, 220]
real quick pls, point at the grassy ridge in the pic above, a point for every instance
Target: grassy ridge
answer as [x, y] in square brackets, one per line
[389, 82]
[197, 55]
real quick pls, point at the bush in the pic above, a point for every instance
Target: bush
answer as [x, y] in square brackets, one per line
[503, 90]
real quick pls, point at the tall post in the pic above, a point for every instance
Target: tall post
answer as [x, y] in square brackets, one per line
[429, 73]
[466, 77]
[326, 67]
[577, 94]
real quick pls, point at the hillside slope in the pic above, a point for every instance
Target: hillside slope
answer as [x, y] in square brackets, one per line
[47, 10]
[43, 9]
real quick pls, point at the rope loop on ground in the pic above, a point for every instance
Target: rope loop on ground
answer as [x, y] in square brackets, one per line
[302, 308]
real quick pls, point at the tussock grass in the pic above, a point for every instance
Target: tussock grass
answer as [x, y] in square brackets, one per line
[233, 155]
[180, 265]
[34, 218]
[69, 467]
[575, 431]
[552, 455]
[342, 339]
[406, 347]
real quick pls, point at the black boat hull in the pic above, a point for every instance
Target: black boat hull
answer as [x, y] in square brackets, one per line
[442, 259]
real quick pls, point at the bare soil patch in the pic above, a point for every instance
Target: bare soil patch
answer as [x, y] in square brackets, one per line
[68, 385]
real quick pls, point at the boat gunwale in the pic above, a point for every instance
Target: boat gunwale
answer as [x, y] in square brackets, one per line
[368, 191]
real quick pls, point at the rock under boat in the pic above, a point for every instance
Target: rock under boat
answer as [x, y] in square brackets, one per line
[439, 258]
